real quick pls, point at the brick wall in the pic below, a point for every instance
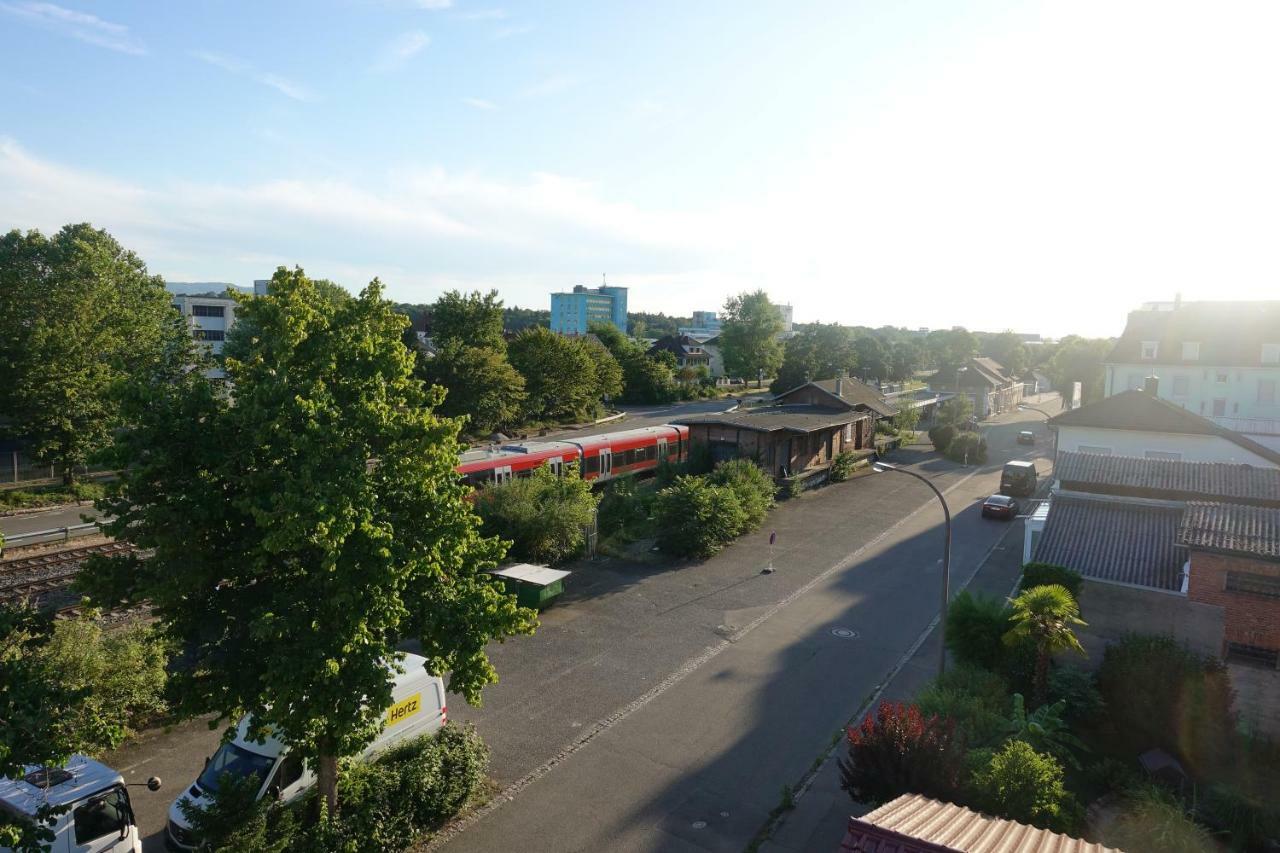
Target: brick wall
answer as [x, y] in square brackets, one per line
[1257, 698]
[1250, 619]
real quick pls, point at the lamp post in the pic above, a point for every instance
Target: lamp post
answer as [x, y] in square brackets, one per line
[946, 558]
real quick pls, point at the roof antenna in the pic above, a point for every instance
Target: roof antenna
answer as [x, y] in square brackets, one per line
[604, 281]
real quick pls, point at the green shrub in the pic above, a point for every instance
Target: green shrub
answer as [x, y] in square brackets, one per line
[898, 750]
[123, 673]
[623, 507]
[968, 448]
[696, 519]
[1047, 574]
[1159, 693]
[1024, 785]
[1045, 730]
[842, 466]
[1075, 687]
[1252, 822]
[1152, 820]
[234, 819]
[543, 515]
[976, 699]
[906, 419]
[941, 436]
[976, 625]
[755, 489]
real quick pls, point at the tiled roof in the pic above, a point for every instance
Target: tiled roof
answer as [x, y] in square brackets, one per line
[1230, 334]
[916, 824]
[1173, 479]
[857, 393]
[1233, 528]
[1114, 539]
[799, 419]
[1143, 412]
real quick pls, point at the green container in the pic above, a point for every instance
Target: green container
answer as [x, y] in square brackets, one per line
[533, 595]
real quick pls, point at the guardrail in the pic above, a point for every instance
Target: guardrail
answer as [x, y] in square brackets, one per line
[56, 534]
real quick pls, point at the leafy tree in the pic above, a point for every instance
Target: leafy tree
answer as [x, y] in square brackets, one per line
[907, 418]
[755, 489]
[976, 625]
[872, 357]
[473, 320]
[1009, 350]
[1080, 360]
[899, 751]
[954, 412]
[481, 385]
[645, 379]
[302, 532]
[949, 350]
[608, 371]
[1044, 615]
[818, 351]
[78, 313]
[695, 518]
[1024, 785]
[976, 699]
[641, 324]
[559, 375]
[905, 358]
[518, 319]
[749, 335]
[543, 515]
[968, 448]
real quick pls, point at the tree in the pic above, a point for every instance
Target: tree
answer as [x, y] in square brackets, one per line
[543, 515]
[949, 350]
[955, 412]
[696, 518]
[818, 351]
[473, 320]
[608, 371]
[302, 531]
[1080, 360]
[749, 336]
[1009, 350]
[645, 379]
[1024, 785]
[559, 375]
[905, 358]
[1044, 615]
[78, 313]
[872, 357]
[481, 385]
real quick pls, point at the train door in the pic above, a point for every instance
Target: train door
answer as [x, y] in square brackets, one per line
[502, 474]
[662, 450]
[606, 463]
[557, 465]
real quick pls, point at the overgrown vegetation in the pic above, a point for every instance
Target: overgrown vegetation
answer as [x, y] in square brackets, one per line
[543, 515]
[696, 516]
[1047, 574]
[49, 495]
[842, 466]
[1022, 784]
[968, 448]
[898, 749]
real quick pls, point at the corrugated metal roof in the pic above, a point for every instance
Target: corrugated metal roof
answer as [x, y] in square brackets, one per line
[1114, 539]
[1176, 479]
[914, 823]
[1234, 528]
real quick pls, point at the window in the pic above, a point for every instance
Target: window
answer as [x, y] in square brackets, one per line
[1250, 583]
[848, 433]
[209, 334]
[1267, 391]
[1190, 351]
[1222, 377]
[1095, 449]
[1219, 408]
[1271, 353]
[289, 771]
[1247, 655]
[1149, 350]
[1163, 454]
[208, 311]
[1181, 386]
[103, 815]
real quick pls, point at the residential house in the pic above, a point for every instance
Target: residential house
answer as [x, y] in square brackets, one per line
[715, 358]
[573, 313]
[1144, 424]
[1217, 359]
[989, 387]
[687, 351]
[842, 392]
[914, 823]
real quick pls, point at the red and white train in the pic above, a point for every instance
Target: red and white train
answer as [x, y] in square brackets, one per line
[600, 457]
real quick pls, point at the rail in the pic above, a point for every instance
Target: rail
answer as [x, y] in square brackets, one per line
[57, 534]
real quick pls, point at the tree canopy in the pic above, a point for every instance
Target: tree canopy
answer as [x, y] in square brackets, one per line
[559, 375]
[472, 319]
[818, 351]
[78, 314]
[303, 530]
[949, 350]
[480, 385]
[1080, 360]
[1009, 350]
[749, 336]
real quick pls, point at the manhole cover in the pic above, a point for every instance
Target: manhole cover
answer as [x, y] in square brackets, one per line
[844, 633]
[699, 824]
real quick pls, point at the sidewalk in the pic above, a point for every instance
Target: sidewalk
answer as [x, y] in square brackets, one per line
[822, 810]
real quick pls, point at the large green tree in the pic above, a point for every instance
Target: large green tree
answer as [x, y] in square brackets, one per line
[559, 375]
[1045, 615]
[1080, 360]
[1008, 349]
[749, 336]
[873, 357]
[949, 350]
[818, 351]
[305, 528]
[471, 319]
[78, 314]
[480, 384]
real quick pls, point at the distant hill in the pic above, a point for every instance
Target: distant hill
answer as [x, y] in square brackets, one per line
[202, 288]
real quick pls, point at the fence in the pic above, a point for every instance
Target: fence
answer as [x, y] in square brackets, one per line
[57, 534]
[17, 467]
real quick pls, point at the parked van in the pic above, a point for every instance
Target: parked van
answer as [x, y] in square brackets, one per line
[1019, 478]
[417, 708]
[97, 814]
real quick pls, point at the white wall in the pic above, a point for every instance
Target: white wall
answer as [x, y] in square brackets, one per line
[1194, 448]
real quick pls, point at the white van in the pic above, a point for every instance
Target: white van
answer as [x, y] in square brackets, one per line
[417, 708]
[98, 815]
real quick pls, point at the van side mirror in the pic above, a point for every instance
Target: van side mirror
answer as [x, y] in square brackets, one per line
[274, 792]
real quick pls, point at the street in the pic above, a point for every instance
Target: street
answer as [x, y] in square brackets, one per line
[664, 707]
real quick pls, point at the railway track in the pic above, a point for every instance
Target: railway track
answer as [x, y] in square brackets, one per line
[38, 578]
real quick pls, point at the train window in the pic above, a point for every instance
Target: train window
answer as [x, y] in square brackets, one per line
[592, 466]
[651, 452]
[526, 473]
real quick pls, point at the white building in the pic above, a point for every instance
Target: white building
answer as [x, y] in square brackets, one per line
[210, 318]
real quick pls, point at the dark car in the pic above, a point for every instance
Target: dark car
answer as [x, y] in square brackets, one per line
[1000, 506]
[1026, 436]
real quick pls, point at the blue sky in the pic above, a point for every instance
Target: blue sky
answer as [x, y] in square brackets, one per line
[1039, 166]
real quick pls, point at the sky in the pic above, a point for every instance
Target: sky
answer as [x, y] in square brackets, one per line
[1042, 167]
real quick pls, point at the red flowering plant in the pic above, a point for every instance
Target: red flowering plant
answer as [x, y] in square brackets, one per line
[898, 750]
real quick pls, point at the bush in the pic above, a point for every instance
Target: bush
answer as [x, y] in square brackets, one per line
[623, 507]
[1024, 785]
[123, 673]
[842, 466]
[976, 625]
[1159, 693]
[543, 515]
[696, 519]
[968, 448]
[956, 411]
[235, 820]
[898, 751]
[755, 489]
[977, 700]
[1251, 822]
[941, 436]
[1047, 574]
[1152, 820]
[906, 419]
[1075, 687]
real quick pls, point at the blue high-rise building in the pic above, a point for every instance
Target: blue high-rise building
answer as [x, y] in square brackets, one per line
[573, 313]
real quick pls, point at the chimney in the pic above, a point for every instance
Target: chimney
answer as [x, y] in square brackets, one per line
[839, 386]
[1151, 385]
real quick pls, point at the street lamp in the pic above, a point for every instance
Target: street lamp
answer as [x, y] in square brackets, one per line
[946, 557]
[1023, 407]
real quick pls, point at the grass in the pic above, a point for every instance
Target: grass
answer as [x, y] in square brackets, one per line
[49, 495]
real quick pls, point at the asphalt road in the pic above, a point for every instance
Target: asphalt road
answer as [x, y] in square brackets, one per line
[49, 519]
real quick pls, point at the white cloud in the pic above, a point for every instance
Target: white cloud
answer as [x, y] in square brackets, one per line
[480, 103]
[236, 65]
[78, 25]
[401, 49]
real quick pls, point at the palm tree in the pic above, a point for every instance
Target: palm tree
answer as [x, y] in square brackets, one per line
[1044, 615]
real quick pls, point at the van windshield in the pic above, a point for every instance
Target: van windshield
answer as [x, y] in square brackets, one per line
[237, 761]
